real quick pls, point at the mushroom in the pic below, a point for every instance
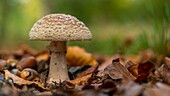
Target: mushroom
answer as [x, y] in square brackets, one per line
[59, 28]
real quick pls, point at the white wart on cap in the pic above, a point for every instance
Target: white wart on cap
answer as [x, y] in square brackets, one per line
[59, 27]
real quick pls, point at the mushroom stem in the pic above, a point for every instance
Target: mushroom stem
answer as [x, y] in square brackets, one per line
[58, 67]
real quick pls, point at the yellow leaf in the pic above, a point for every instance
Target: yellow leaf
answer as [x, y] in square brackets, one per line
[77, 56]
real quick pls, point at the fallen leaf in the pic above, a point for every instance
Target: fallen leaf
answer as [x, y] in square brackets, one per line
[88, 71]
[83, 77]
[19, 81]
[167, 62]
[81, 80]
[8, 90]
[159, 89]
[122, 69]
[130, 88]
[109, 60]
[108, 85]
[77, 56]
[164, 71]
[112, 72]
[46, 93]
[144, 70]
[132, 68]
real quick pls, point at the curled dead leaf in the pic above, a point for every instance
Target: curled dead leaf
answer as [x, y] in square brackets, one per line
[90, 70]
[83, 77]
[29, 74]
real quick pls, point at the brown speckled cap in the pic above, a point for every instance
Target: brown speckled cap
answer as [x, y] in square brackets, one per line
[59, 27]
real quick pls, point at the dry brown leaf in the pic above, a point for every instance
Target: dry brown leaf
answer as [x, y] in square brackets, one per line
[46, 93]
[112, 72]
[167, 61]
[130, 88]
[117, 71]
[77, 56]
[81, 80]
[132, 68]
[83, 77]
[109, 60]
[107, 85]
[144, 70]
[19, 81]
[159, 89]
[89, 71]
[164, 71]
[122, 70]
[141, 71]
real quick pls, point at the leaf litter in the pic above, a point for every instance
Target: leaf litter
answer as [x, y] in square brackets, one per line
[90, 75]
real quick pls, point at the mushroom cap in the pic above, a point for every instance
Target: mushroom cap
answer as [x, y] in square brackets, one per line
[59, 27]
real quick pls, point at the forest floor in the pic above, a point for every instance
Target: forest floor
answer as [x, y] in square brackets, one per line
[144, 74]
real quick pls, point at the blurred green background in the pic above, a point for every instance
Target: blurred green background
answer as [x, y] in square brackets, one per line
[118, 26]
